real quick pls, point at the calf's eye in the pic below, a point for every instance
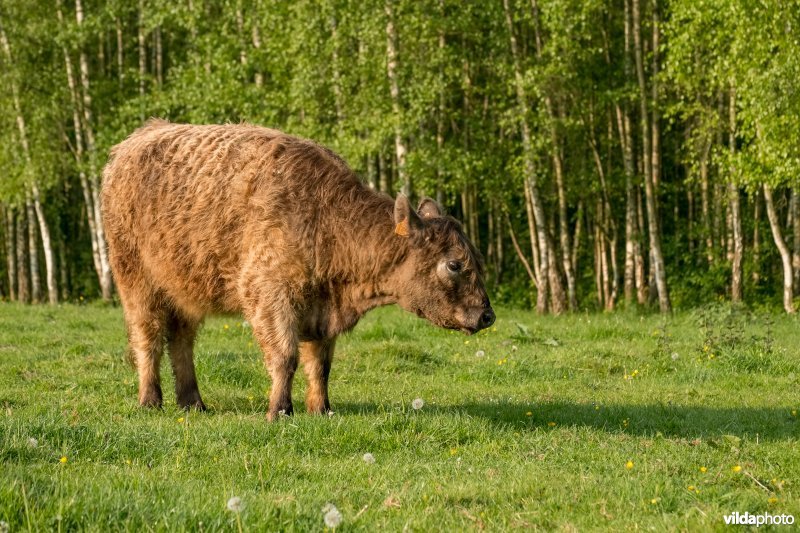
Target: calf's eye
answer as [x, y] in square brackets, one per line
[454, 266]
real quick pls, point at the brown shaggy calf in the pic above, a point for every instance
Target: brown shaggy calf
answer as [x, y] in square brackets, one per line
[238, 218]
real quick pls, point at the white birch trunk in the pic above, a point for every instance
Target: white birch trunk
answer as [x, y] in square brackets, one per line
[106, 283]
[394, 91]
[783, 249]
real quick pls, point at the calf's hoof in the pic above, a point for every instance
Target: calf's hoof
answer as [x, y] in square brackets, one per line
[278, 413]
[319, 408]
[191, 401]
[151, 398]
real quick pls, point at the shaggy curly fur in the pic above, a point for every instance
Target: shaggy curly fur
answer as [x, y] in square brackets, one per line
[239, 218]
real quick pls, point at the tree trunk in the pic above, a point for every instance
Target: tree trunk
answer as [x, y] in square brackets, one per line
[655, 123]
[537, 208]
[499, 245]
[783, 249]
[23, 285]
[626, 145]
[440, 111]
[336, 72]
[558, 169]
[385, 174]
[106, 284]
[11, 252]
[757, 236]
[240, 33]
[558, 297]
[736, 217]
[61, 245]
[140, 39]
[795, 210]
[641, 280]
[159, 53]
[33, 252]
[47, 245]
[394, 91]
[576, 239]
[704, 198]
[517, 249]
[120, 49]
[256, 36]
[650, 193]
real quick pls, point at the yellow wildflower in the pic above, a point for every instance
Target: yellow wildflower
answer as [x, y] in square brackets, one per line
[703, 469]
[63, 459]
[737, 469]
[629, 464]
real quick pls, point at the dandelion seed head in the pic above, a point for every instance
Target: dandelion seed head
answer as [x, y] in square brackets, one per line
[235, 504]
[674, 356]
[33, 443]
[480, 353]
[417, 404]
[4, 527]
[332, 516]
[369, 458]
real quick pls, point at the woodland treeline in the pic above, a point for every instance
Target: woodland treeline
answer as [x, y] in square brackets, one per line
[601, 153]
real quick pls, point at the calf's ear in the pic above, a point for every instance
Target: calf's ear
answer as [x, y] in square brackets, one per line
[406, 219]
[429, 208]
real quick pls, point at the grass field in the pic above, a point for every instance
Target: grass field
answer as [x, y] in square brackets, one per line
[572, 423]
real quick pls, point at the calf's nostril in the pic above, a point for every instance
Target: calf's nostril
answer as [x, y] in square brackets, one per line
[487, 318]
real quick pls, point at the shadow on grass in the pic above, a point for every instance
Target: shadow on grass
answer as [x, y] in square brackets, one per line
[681, 421]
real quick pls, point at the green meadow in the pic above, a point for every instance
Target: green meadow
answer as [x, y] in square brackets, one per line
[581, 422]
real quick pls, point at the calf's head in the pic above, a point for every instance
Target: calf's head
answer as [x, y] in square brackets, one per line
[441, 278]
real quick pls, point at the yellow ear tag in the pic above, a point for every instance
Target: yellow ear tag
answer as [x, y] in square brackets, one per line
[402, 228]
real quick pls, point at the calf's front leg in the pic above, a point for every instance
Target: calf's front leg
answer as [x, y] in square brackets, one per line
[316, 357]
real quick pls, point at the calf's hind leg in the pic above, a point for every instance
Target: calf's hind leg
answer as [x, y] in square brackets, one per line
[273, 322]
[181, 332]
[316, 357]
[145, 318]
